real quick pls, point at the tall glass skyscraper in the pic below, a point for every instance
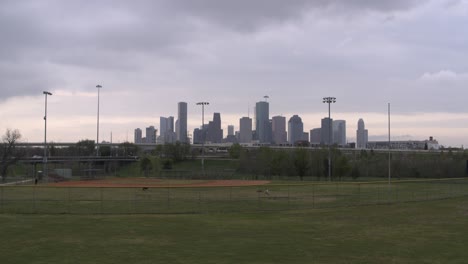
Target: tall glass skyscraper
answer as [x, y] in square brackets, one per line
[182, 122]
[295, 129]
[262, 122]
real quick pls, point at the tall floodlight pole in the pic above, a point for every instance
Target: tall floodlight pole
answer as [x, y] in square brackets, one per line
[329, 101]
[45, 137]
[203, 134]
[97, 136]
[389, 154]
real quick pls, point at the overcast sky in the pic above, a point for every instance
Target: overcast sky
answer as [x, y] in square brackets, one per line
[149, 55]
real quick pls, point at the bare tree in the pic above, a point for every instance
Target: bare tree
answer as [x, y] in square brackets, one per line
[9, 152]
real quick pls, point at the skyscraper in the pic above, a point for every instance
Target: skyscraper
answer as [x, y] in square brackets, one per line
[339, 132]
[278, 128]
[325, 136]
[361, 135]
[230, 130]
[215, 133]
[295, 129]
[151, 135]
[182, 122]
[245, 130]
[315, 136]
[262, 122]
[166, 130]
[138, 136]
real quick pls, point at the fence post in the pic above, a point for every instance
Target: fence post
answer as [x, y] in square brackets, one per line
[69, 199]
[1, 198]
[359, 194]
[313, 195]
[34, 199]
[102, 199]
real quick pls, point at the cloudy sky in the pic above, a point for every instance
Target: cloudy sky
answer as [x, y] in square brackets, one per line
[150, 54]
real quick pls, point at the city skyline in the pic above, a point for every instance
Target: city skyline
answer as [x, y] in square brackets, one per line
[367, 54]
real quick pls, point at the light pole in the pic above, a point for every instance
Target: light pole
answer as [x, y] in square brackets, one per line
[203, 134]
[46, 174]
[329, 100]
[97, 136]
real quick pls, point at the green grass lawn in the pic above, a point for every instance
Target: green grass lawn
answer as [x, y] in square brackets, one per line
[418, 232]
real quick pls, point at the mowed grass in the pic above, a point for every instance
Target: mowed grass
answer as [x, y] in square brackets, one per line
[418, 232]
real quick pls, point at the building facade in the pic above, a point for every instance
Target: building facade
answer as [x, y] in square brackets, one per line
[326, 137]
[315, 136]
[361, 135]
[278, 127]
[339, 132]
[138, 136]
[262, 122]
[245, 130]
[182, 135]
[295, 129]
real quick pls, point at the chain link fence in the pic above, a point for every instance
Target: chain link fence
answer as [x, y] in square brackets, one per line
[31, 199]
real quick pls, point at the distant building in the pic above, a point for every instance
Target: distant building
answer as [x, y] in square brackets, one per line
[230, 130]
[245, 130]
[295, 129]
[361, 135]
[305, 137]
[215, 133]
[315, 136]
[262, 122]
[166, 130]
[339, 132]
[430, 144]
[278, 127]
[138, 136]
[182, 135]
[151, 133]
[325, 136]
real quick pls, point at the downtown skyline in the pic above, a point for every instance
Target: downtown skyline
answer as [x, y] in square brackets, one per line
[411, 54]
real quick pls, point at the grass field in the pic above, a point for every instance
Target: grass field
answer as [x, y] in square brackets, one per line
[418, 232]
[195, 199]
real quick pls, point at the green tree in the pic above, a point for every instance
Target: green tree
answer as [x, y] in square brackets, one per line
[235, 151]
[146, 165]
[301, 162]
[85, 147]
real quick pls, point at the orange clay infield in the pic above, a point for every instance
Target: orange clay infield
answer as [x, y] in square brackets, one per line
[157, 183]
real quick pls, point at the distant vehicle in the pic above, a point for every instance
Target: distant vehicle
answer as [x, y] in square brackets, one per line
[37, 157]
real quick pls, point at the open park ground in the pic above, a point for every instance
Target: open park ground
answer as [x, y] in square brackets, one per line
[415, 232]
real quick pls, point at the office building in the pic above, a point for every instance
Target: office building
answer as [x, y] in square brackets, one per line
[262, 122]
[245, 130]
[151, 133]
[230, 130]
[361, 135]
[278, 127]
[166, 130]
[326, 137]
[138, 136]
[315, 136]
[182, 122]
[339, 132]
[295, 129]
[215, 133]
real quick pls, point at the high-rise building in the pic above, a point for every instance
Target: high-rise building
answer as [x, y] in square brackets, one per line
[295, 129]
[278, 127]
[230, 130]
[245, 130]
[262, 122]
[166, 130]
[151, 133]
[182, 122]
[361, 135]
[315, 136]
[339, 132]
[325, 136]
[215, 133]
[138, 136]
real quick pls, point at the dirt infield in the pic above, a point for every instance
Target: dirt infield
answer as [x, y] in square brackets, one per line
[156, 183]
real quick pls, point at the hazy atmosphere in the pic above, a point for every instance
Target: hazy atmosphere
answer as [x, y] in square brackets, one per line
[149, 55]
